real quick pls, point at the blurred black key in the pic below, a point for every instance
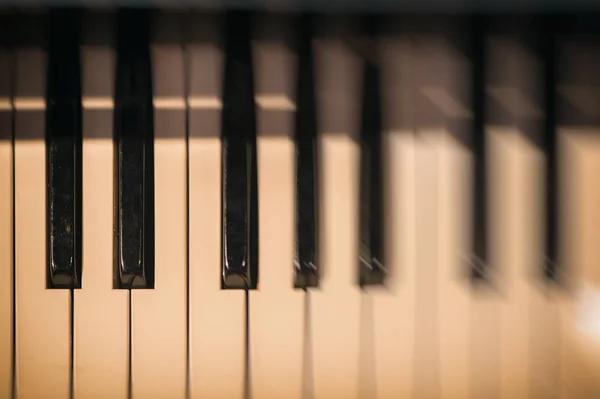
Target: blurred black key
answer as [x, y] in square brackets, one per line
[239, 174]
[64, 150]
[550, 267]
[134, 133]
[371, 226]
[307, 186]
[478, 262]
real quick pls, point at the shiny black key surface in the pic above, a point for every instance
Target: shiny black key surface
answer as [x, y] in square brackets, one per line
[371, 222]
[478, 260]
[307, 186]
[64, 151]
[239, 170]
[134, 133]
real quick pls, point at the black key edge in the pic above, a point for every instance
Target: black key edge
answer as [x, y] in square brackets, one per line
[306, 264]
[372, 224]
[234, 133]
[551, 270]
[133, 46]
[63, 100]
[478, 262]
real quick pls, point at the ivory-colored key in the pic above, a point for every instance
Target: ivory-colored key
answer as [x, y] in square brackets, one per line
[388, 334]
[485, 306]
[43, 323]
[159, 315]
[101, 313]
[335, 307]
[455, 299]
[516, 271]
[579, 316]
[217, 317]
[387, 312]
[443, 316]
[276, 310]
[538, 310]
[427, 348]
[6, 235]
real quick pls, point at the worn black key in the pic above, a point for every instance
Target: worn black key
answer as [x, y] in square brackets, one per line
[63, 151]
[307, 185]
[134, 132]
[371, 222]
[479, 259]
[239, 173]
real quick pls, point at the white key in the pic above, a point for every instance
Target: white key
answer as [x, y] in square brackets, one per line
[101, 329]
[456, 326]
[580, 319]
[484, 331]
[276, 310]
[511, 194]
[6, 239]
[427, 348]
[335, 306]
[43, 359]
[387, 348]
[159, 315]
[454, 294]
[534, 344]
[515, 327]
[389, 311]
[217, 317]
[443, 303]
[516, 197]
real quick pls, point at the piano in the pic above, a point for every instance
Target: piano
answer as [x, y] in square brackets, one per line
[281, 201]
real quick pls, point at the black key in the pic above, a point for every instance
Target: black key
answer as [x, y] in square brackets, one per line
[307, 184]
[239, 174]
[479, 260]
[550, 267]
[64, 151]
[134, 133]
[370, 262]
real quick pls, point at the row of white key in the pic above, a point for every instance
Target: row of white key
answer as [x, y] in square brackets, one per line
[427, 335]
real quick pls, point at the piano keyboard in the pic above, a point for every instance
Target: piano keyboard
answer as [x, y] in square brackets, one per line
[232, 205]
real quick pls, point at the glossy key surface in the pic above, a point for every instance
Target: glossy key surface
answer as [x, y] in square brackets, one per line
[371, 263]
[63, 144]
[134, 131]
[307, 160]
[239, 189]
